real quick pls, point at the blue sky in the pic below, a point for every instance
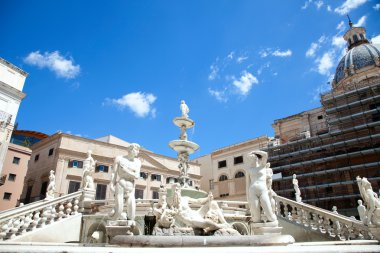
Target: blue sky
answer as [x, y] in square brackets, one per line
[122, 67]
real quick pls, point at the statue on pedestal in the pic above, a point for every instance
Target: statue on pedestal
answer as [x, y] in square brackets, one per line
[371, 200]
[51, 186]
[362, 211]
[257, 188]
[184, 109]
[88, 170]
[296, 188]
[126, 170]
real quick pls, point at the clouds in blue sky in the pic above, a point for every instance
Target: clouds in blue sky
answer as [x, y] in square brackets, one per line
[349, 5]
[141, 104]
[54, 61]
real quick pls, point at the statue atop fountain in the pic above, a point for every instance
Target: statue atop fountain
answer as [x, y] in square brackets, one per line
[183, 147]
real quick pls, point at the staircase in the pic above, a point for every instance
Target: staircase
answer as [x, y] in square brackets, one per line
[36, 216]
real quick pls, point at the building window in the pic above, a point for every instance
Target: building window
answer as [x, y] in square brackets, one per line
[101, 190]
[144, 175]
[222, 164]
[36, 157]
[154, 194]
[73, 186]
[190, 183]
[75, 164]
[11, 177]
[101, 168]
[139, 194]
[320, 117]
[51, 151]
[239, 174]
[224, 195]
[211, 184]
[223, 178]
[238, 159]
[16, 160]
[7, 196]
[155, 177]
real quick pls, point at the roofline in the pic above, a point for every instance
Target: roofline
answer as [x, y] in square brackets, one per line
[236, 145]
[15, 68]
[296, 115]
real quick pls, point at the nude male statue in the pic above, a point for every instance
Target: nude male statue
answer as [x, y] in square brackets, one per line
[126, 170]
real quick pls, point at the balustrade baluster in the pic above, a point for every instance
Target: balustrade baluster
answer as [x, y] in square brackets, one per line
[61, 213]
[76, 206]
[36, 220]
[27, 220]
[68, 208]
[15, 226]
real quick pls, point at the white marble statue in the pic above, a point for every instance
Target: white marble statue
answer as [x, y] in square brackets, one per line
[126, 170]
[184, 109]
[164, 214]
[209, 217]
[371, 200]
[88, 170]
[296, 188]
[269, 185]
[257, 189]
[51, 186]
[336, 223]
[362, 211]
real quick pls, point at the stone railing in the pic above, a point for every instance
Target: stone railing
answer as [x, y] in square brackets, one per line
[30, 217]
[317, 219]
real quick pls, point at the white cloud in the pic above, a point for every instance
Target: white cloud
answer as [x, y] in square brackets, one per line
[55, 62]
[312, 50]
[262, 67]
[361, 21]
[220, 95]
[231, 55]
[349, 5]
[338, 41]
[325, 63]
[279, 53]
[319, 4]
[214, 72]
[137, 102]
[377, 7]
[376, 39]
[240, 59]
[328, 7]
[307, 3]
[264, 53]
[340, 27]
[244, 84]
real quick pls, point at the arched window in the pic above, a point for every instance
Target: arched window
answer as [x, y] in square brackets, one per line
[239, 174]
[356, 38]
[223, 178]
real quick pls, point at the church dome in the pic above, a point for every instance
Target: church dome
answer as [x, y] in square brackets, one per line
[362, 56]
[357, 58]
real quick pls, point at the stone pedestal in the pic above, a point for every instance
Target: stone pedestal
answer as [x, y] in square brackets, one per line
[85, 204]
[265, 228]
[119, 227]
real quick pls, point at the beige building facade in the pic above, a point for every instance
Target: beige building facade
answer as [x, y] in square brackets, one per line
[12, 81]
[64, 154]
[223, 171]
[15, 168]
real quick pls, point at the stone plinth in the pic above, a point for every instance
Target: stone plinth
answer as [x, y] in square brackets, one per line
[202, 241]
[85, 204]
[265, 228]
[120, 227]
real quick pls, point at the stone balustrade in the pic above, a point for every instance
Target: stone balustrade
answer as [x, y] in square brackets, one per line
[334, 225]
[30, 217]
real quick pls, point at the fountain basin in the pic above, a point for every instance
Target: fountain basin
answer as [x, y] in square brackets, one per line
[183, 146]
[179, 121]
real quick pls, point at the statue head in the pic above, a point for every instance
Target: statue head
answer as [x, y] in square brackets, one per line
[360, 202]
[257, 157]
[334, 208]
[134, 149]
[294, 176]
[89, 153]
